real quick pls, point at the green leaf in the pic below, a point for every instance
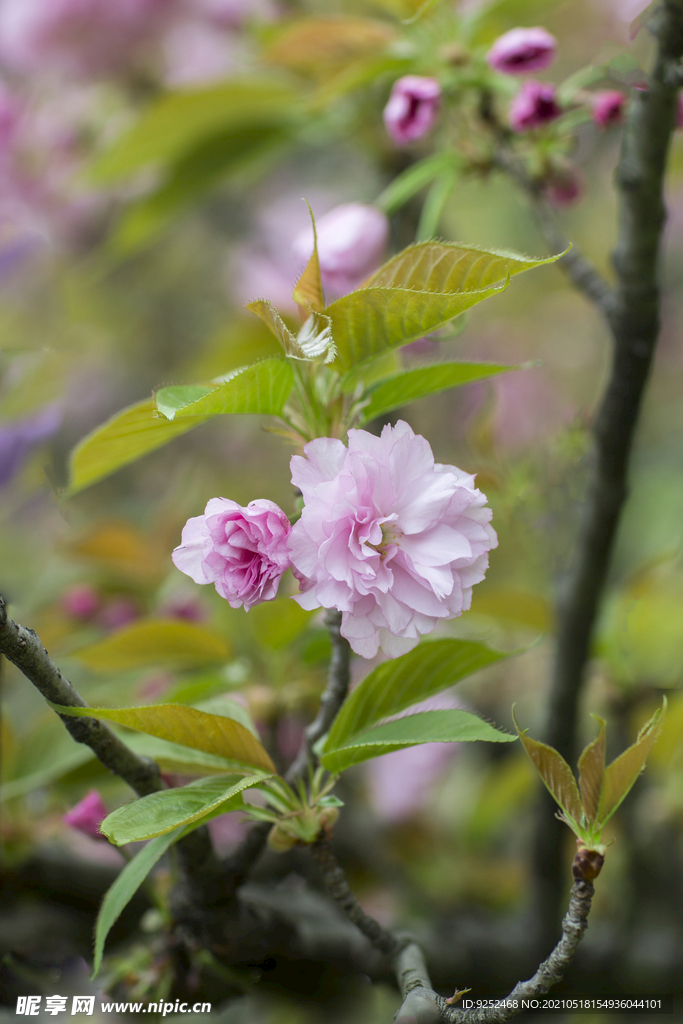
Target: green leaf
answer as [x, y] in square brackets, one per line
[73, 758]
[408, 386]
[622, 773]
[405, 185]
[262, 388]
[194, 175]
[591, 771]
[419, 290]
[177, 122]
[125, 437]
[308, 291]
[158, 813]
[397, 684]
[214, 734]
[173, 757]
[555, 772]
[435, 201]
[447, 726]
[125, 887]
[168, 642]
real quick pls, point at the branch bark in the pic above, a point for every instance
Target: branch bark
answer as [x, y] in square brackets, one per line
[634, 321]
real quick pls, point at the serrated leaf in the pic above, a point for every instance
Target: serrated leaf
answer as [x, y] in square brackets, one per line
[447, 726]
[308, 291]
[409, 385]
[124, 888]
[170, 399]
[168, 642]
[555, 772]
[214, 734]
[173, 757]
[591, 771]
[177, 121]
[260, 389]
[161, 812]
[125, 437]
[396, 685]
[621, 774]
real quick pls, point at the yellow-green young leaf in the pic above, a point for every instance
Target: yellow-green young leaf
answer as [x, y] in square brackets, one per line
[447, 726]
[214, 734]
[408, 386]
[308, 291]
[178, 121]
[124, 888]
[396, 685]
[171, 643]
[173, 757]
[262, 388]
[161, 812]
[622, 773]
[372, 319]
[125, 437]
[449, 267]
[591, 771]
[555, 772]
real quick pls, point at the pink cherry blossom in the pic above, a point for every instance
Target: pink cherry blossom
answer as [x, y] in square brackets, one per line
[352, 239]
[88, 815]
[522, 50]
[608, 107]
[81, 601]
[412, 108]
[243, 551]
[534, 105]
[387, 536]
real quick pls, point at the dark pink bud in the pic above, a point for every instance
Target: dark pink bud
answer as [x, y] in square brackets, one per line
[88, 815]
[412, 108]
[534, 105]
[608, 107]
[564, 187]
[522, 50]
[81, 601]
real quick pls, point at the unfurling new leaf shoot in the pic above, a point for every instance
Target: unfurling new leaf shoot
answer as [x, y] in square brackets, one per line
[587, 808]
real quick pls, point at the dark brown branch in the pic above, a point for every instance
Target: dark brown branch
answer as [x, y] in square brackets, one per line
[338, 888]
[23, 648]
[635, 323]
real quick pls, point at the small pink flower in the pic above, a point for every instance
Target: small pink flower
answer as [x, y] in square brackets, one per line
[243, 551]
[522, 50]
[81, 601]
[564, 187]
[534, 105]
[412, 108]
[387, 536]
[88, 815]
[352, 239]
[608, 107]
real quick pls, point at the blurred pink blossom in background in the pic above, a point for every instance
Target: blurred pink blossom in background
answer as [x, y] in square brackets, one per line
[88, 815]
[81, 601]
[412, 108]
[242, 550]
[387, 536]
[522, 50]
[352, 240]
[608, 107]
[534, 105]
[399, 783]
[564, 187]
[19, 437]
[118, 613]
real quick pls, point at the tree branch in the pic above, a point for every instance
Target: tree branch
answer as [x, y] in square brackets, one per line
[635, 323]
[23, 648]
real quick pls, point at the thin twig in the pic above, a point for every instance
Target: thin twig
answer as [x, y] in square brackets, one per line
[338, 888]
[635, 327]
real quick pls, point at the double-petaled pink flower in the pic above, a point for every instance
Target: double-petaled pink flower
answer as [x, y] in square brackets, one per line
[522, 50]
[387, 536]
[412, 108]
[534, 105]
[243, 551]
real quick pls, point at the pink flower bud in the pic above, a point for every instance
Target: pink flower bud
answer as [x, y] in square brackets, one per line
[412, 108]
[534, 105]
[81, 601]
[242, 551]
[118, 613]
[608, 107]
[564, 187]
[522, 50]
[679, 111]
[88, 815]
[352, 239]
